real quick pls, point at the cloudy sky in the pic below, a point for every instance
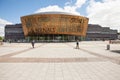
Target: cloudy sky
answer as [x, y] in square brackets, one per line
[103, 12]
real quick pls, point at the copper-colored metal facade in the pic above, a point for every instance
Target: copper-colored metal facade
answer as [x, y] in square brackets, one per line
[54, 24]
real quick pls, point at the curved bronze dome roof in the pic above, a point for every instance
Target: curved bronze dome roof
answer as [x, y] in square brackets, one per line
[54, 23]
[54, 12]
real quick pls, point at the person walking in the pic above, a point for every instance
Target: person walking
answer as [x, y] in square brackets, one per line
[77, 44]
[33, 43]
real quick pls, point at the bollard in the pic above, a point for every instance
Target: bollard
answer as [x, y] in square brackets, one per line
[108, 47]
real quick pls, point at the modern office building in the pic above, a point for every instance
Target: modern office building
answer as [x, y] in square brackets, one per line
[97, 32]
[14, 32]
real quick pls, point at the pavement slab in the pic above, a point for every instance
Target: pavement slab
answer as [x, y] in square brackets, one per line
[59, 61]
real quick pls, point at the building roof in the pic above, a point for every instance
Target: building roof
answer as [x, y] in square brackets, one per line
[53, 12]
[13, 25]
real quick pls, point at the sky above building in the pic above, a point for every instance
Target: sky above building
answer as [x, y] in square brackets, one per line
[103, 12]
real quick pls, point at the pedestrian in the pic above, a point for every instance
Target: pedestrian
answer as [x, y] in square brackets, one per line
[77, 44]
[33, 43]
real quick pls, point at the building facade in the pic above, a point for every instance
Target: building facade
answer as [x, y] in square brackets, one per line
[54, 23]
[14, 33]
[57, 26]
[94, 32]
[97, 32]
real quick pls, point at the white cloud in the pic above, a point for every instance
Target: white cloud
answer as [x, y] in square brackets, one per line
[2, 21]
[105, 13]
[2, 26]
[69, 7]
[79, 3]
[68, 3]
[49, 8]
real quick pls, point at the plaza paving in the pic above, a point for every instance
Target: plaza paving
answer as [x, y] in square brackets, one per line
[59, 61]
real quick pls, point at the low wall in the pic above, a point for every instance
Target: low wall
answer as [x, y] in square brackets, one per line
[115, 41]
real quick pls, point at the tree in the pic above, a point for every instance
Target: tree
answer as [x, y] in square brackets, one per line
[1, 38]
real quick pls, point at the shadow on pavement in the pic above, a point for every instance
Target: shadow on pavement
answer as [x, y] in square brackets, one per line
[116, 51]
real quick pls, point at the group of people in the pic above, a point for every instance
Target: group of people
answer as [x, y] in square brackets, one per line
[77, 44]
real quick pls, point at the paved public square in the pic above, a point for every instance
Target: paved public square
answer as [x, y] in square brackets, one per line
[60, 61]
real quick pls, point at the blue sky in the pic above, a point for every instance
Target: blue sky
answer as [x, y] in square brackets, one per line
[103, 12]
[12, 10]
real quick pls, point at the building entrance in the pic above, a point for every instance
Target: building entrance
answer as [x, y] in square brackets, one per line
[53, 38]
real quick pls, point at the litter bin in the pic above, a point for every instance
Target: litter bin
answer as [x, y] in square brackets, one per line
[108, 47]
